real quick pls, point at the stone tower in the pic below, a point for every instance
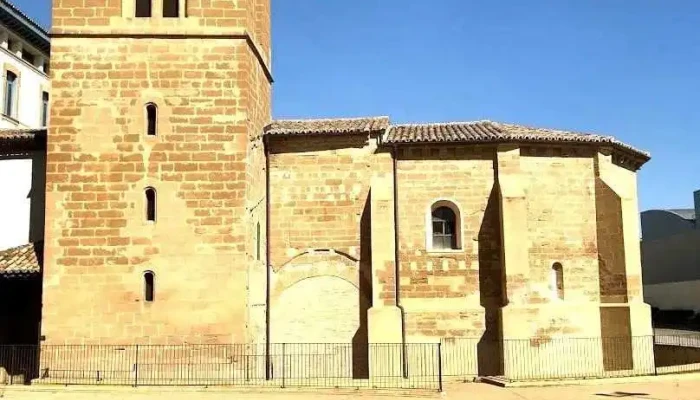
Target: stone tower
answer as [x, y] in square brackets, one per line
[156, 172]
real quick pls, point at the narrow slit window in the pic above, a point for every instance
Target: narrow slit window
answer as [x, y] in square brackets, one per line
[258, 242]
[143, 8]
[171, 8]
[151, 119]
[150, 205]
[149, 286]
[558, 281]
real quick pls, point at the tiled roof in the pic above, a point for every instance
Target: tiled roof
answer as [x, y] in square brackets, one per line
[12, 140]
[326, 126]
[494, 132]
[21, 260]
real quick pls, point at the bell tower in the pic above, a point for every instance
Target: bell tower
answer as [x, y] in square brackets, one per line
[155, 172]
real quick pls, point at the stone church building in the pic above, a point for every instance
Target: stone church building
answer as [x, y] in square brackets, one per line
[178, 211]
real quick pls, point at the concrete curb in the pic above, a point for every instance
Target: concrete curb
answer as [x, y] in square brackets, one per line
[591, 381]
[218, 389]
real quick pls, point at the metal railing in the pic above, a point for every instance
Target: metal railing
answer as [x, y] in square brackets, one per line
[570, 358]
[391, 366]
[287, 365]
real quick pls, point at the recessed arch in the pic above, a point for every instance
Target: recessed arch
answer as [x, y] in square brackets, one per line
[316, 264]
[315, 252]
[443, 225]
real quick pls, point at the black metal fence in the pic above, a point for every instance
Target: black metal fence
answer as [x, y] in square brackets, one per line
[395, 366]
[391, 366]
[570, 358]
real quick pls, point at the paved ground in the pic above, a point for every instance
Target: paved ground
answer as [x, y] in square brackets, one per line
[680, 387]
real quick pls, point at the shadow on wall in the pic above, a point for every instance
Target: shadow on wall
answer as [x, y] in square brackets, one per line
[615, 323]
[671, 356]
[19, 364]
[611, 245]
[19, 327]
[37, 210]
[360, 341]
[490, 346]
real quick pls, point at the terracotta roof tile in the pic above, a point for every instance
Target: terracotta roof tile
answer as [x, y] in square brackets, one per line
[494, 132]
[21, 260]
[327, 126]
[12, 140]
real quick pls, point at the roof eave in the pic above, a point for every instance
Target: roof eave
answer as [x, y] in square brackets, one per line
[37, 36]
[639, 158]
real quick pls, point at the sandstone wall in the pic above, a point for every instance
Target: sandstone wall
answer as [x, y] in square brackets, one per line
[320, 227]
[440, 290]
[559, 189]
[206, 164]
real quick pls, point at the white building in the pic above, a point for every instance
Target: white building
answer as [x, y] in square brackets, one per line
[24, 111]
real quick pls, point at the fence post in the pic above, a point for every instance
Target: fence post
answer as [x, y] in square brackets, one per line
[283, 364]
[439, 355]
[653, 352]
[12, 364]
[136, 367]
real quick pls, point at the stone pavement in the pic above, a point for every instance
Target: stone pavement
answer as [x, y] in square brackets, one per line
[680, 387]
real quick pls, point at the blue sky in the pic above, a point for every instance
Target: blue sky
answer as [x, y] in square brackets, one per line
[630, 69]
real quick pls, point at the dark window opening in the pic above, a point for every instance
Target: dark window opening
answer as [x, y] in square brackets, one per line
[149, 286]
[171, 8]
[143, 8]
[151, 205]
[558, 271]
[28, 57]
[444, 228]
[151, 119]
[257, 257]
[10, 93]
[44, 108]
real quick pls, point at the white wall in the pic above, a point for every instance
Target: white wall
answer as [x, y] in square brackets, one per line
[15, 204]
[32, 78]
[674, 295]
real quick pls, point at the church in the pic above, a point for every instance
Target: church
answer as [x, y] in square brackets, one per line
[177, 211]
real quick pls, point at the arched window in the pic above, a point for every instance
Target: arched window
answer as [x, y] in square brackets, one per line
[558, 281]
[149, 290]
[257, 244]
[143, 8]
[151, 119]
[444, 229]
[150, 204]
[171, 8]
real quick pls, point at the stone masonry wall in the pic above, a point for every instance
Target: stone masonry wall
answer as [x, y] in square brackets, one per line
[319, 189]
[206, 164]
[561, 222]
[320, 227]
[258, 106]
[203, 17]
[440, 291]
